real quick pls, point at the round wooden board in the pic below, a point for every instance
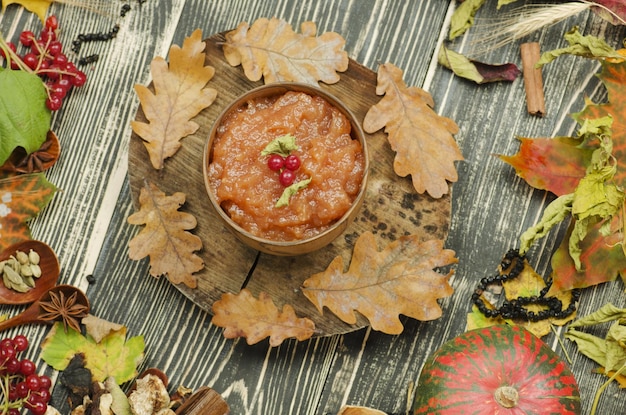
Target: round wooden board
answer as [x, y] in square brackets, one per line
[391, 208]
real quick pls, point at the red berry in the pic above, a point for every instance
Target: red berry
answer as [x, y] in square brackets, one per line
[21, 389]
[47, 35]
[64, 83]
[31, 60]
[11, 46]
[286, 177]
[292, 162]
[53, 72]
[27, 38]
[52, 23]
[54, 48]
[37, 408]
[54, 102]
[38, 47]
[79, 78]
[21, 342]
[275, 162]
[60, 60]
[45, 383]
[32, 381]
[27, 367]
[13, 366]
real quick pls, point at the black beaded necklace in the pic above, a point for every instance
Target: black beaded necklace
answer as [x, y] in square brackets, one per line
[516, 309]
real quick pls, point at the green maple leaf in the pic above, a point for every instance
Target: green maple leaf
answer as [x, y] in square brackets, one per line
[114, 356]
[589, 174]
[21, 199]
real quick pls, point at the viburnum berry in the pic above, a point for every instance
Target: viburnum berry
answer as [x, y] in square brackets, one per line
[52, 23]
[27, 38]
[275, 162]
[27, 367]
[287, 177]
[21, 342]
[54, 102]
[292, 162]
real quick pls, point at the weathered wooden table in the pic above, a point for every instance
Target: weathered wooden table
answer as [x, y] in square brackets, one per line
[86, 221]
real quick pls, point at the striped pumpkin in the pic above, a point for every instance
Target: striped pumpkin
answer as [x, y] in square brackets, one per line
[498, 370]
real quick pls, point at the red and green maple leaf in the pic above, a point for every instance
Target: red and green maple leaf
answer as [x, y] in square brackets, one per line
[558, 164]
[21, 199]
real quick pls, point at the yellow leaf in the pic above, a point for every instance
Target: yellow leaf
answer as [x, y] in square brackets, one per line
[165, 238]
[400, 279]
[272, 50]
[179, 95]
[423, 140]
[242, 315]
[39, 7]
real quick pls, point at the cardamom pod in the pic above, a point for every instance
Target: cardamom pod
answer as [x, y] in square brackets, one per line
[33, 257]
[36, 269]
[26, 270]
[29, 281]
[12, 275]
[21, 257]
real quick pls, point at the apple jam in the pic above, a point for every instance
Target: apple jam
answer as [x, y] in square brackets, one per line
[247, 189]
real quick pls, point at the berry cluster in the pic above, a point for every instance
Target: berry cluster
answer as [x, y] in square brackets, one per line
[287, 167]
[20, 386]
[44, 56]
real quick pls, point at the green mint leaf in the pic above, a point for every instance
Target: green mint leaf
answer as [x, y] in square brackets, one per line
[290, 191]
[24, 118]
[282, 145]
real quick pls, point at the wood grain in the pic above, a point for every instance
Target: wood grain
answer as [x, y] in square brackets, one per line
[391, 207]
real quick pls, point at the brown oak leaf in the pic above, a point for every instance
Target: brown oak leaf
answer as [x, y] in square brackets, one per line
[165, 238]
[400, 279]
[423, 140]
[179, 95]
[243, 315]
[272, 50]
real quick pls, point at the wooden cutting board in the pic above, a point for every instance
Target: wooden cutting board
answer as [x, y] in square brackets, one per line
[391, 207]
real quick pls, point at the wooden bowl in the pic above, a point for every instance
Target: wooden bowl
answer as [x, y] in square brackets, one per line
[296, 247]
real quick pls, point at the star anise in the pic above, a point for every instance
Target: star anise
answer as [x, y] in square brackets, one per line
[60, 306]
[37, 161]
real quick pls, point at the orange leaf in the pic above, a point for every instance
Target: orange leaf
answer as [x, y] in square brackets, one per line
[21, 199]
[165, 238]
[423, 141]
[272, 50]
[179, 95]
[242, 315]
[381, 285]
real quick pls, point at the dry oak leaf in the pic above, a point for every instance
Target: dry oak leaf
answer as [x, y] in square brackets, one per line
[400, 279]
[242, 315]
[180, 93]
[165, 238]
[423, 140]
[272, 50]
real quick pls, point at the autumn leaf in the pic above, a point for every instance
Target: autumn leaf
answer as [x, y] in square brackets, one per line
[114, 356]
[479, 72]
[527, 284]
[423, 141]
[39, 7]
[381, 285]
[271, 49]
[179, 95]
[553, 164]
[359, 410]
[243, 315]
[613, 11]
[21, 199]
[165, 238]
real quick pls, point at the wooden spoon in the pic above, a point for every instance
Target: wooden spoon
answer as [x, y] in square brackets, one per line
[34, 313]
[50, 271]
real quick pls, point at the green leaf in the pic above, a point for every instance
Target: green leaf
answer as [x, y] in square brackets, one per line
[114, 356]
[606, 313]
[591, 346]
[555, 213]
[24, 118]
[579, 45]
[120, 404]
[282, 145]
[476, 71]
[463, 17]
[290, 191]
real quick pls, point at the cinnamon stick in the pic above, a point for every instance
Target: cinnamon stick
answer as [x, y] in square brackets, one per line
[533, 81]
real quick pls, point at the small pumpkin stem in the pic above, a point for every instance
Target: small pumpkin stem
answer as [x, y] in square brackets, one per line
[506, 396]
